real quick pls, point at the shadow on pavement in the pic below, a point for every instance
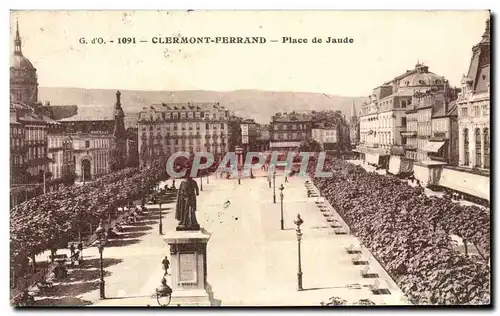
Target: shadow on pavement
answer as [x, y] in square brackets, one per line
[144, 223]
[121, 243]
[80, 280]
[63, 301]
[156, 216]
[136, 229]
[76, 275]
[130, 235]
[95, 263]
[71, 290]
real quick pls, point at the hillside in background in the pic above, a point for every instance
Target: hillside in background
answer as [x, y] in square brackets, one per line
[260, 105]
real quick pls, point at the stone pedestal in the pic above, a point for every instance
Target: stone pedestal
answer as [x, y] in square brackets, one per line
[188, 266]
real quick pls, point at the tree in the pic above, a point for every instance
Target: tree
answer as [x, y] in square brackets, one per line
[310, 145]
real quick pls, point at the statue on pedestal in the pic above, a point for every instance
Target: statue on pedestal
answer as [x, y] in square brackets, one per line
[185, 211]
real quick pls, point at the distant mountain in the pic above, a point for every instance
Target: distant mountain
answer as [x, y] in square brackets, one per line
[260, 105]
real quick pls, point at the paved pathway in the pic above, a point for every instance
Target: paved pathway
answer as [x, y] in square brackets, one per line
[250, 260]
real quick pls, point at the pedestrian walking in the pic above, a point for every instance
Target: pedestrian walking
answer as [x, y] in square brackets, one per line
[166, 265]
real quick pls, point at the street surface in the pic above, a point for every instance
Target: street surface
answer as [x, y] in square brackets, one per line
[250, 260]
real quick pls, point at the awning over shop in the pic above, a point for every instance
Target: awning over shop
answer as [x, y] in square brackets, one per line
[433, 147]
[284, 144]
[467, 182]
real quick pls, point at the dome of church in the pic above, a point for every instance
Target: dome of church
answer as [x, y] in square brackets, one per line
[20, 62]
[421, 76]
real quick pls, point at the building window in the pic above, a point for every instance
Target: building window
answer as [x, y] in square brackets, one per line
[221, 125]
[403, 104]
[163, 115]
[477, 136]
[466, 147]
[486, 110]
[207, 126]
[486, 148]
[87, 143]
[476, 111]
[463, 112]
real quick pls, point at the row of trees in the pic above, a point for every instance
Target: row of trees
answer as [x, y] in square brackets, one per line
[50, 220]
[409, 233]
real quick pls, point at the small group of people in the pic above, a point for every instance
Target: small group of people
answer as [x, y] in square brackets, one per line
[172, 188]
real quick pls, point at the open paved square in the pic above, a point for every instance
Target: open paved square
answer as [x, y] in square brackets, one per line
[251, 261]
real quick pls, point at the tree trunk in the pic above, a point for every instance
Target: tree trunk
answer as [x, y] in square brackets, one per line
[52, 254]
[465, 247]
[33, 263]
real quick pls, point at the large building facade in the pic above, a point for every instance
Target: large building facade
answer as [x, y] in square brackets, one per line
[331, 130]
[288, 130]
[473, 106]
[96, 150]
[60, 154]
[431, 125]
[192, 127]
[29, 128]
[384, 123]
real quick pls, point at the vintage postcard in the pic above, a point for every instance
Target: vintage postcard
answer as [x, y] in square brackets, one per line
[250, 158]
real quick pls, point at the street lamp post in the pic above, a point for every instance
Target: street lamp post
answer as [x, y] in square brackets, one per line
[281, 196]
[274, 187]
[160, 226]
[142, 191]
[101, 244]
[299, 222]
[201, 183]
[163, 292]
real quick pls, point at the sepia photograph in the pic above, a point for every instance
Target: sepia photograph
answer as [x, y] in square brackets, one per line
[250, 158]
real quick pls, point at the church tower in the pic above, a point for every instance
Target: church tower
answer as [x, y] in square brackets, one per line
[23, 78]
[119, 131]
[354, 131]
[354, 116]
[120, 135]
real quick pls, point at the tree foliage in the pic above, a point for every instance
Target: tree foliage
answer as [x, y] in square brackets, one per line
[409, 234]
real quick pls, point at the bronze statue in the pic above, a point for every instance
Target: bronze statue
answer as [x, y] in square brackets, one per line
[185, 211]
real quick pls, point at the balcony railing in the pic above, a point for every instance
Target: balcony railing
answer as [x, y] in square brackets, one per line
[35, 142]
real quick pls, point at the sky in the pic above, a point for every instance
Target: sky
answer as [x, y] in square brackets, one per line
[386, 44]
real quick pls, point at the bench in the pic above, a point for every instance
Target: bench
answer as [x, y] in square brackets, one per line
[358, 259]
[340, 231]
[379, 287]
[335, 224]
[59, 258]
[352, 249]
[367, 273]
